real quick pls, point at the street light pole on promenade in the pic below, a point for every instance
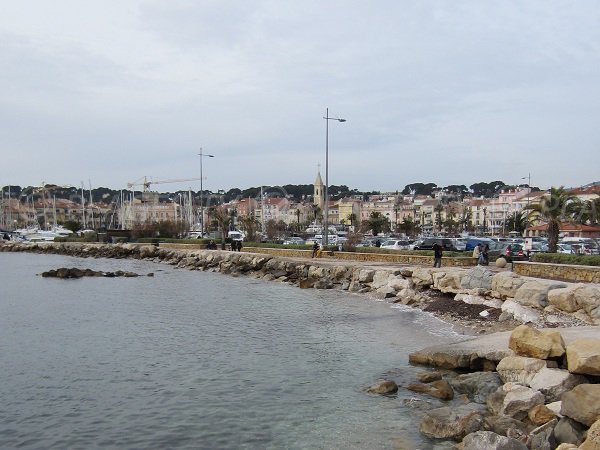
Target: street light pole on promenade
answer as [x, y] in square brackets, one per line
[326, 213]
[528, 178]
[202, 155]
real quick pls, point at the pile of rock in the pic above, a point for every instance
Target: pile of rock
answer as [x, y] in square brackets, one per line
[74, 272]
[542, 395]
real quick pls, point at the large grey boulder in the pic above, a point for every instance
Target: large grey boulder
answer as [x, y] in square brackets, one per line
[519, 400]
[535, 293]
[452, 423]
[542, 438]
[380, 279]
[477, 385]
[366, 275]
[569, 431]
[501, 424]
[448, 280]
[469, 354]
[383, 387]
[582, 403]
[398, 283]
[575, 297]
[507, 283]
[477, 277]
[519, 312]
[519, 369]
[583, 356]
[488, 440]
[422, 277]
[439, 389]
[474, 299]
[553, 383]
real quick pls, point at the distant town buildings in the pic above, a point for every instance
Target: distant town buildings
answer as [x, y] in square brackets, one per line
[441, 212]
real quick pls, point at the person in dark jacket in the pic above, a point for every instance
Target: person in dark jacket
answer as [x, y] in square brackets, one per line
[437, 255]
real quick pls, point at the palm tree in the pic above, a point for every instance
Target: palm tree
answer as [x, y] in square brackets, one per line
[223, 220]
[439, 208]
[377, 222]
[587, 212]
[554, 208]
[517, 221]
[408, 226]
[465, 219]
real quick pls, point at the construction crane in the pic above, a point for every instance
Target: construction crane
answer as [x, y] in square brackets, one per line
[145, 183]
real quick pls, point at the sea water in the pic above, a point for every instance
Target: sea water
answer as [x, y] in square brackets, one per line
[199, 360]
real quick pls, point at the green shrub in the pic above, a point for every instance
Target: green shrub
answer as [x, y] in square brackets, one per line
[563, 258]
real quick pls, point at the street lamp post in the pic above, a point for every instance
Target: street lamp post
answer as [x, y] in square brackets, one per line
[528, 178]
[202, 155]
[326, 218]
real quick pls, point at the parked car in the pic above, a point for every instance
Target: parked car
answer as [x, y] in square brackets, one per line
[513, 252]
[294, 240]
[396, 244]
[472, 243]
[427, 244]
[565, 248]
[539, 247]
[460, 244]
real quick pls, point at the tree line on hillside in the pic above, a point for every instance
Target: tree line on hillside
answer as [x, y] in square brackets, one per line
[480, 189]
[297, 192]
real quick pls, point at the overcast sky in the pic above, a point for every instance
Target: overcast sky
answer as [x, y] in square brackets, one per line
[450, 92]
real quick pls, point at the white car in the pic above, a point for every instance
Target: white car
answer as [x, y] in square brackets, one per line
[294, 240]
[396, 244]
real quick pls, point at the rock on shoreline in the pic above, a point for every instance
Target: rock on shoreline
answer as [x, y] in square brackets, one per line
[544, 392]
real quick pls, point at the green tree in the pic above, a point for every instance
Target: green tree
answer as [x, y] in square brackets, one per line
[554, 208]
[352, 218]
[439, 208]
[222, 219]
[249, 226]
[587, 212]
[377, 223]
[408, 226]
[517, 221]
[72, 225]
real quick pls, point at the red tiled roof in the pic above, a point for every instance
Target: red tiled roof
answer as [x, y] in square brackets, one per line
[566, 227]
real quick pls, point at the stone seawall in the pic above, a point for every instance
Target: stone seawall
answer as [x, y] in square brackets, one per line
[495, 297]
[397, 258]
[567, 272]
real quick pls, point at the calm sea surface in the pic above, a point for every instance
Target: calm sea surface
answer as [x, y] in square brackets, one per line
[198, 360]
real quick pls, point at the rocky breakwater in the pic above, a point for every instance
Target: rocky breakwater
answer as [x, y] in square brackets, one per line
[75, 272]
[540, 390]
[475, 297]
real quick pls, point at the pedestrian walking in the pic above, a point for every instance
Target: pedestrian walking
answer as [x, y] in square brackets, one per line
[477, 252]
[437, 255]
[485, 255]
[315, 249]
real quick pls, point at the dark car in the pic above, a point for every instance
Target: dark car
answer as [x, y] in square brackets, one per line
[427, 244]
[513, 252]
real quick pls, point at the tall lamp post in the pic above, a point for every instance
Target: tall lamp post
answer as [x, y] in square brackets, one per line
[202, 155]
[528, 178]
[326, 225]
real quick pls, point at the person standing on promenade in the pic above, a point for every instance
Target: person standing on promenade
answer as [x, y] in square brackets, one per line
[315, 249]
[477, 252]
[485, 257]
[437, 255]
